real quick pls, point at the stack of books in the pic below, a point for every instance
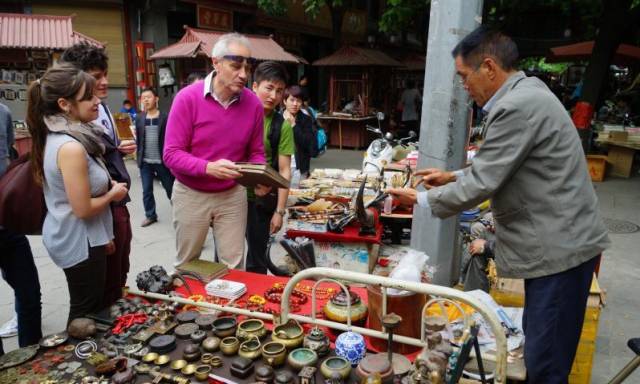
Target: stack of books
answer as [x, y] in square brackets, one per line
[263, 174]
[203, 269]
[226, 289]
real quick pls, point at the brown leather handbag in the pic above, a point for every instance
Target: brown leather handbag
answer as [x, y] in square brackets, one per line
[22, 206]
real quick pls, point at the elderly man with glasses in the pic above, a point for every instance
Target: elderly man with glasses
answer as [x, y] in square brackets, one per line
[213, 124]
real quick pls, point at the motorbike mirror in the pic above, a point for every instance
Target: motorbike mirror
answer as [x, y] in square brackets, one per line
[380, 116]
[412, 134]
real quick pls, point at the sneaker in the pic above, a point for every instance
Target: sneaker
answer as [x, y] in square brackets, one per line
[147, 222]
[10, 328]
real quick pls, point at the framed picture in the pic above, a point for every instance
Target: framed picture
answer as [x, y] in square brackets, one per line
[22, 95]
[31, 77]
[7, 76]
[19, 77]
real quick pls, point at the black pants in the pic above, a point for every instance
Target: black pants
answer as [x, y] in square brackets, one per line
[258, 223]
[147, 173]
[86, 282]
[20, 272]
[553, 315]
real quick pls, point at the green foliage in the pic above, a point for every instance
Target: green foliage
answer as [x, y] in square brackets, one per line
[538, 63]
[400, 14]
[273, 7]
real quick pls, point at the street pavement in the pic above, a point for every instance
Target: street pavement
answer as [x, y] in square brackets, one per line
[155, 245]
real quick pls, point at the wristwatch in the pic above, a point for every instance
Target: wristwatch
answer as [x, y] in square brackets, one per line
[281, 212]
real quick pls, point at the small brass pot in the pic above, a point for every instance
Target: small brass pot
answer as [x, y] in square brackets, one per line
[302, 357]
[230, 345]
[202, 372]
[211, 344]
[206, 358]
[290, 334]
[250, 349]
[177, 365]
[188, 369]
[249, 328]
[224, 326]
[335, 364]
[274, 353]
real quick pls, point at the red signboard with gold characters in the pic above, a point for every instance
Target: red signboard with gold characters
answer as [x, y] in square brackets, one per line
[215, 18]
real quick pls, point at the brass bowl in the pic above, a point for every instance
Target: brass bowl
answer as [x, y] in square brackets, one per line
[216, 362]
[177, 365]
[202, 372]
[302, 357]
[211, 344]
[274, 353]
[250, 349]
[150, 357]
[224, 326]
[188, 369]
[230, 345]
[206, 358]
[291, 334]
[249, 328]
[162, 360]
[335, 364]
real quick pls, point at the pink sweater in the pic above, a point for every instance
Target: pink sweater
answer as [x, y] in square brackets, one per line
[200, 130]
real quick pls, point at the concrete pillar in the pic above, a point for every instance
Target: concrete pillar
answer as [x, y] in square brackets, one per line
[443, 129]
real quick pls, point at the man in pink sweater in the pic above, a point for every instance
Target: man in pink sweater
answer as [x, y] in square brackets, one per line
[212, 125]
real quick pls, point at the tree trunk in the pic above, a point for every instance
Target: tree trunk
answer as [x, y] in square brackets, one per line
[615, 22]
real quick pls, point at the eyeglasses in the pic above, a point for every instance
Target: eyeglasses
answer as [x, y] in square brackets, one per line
[238, 59]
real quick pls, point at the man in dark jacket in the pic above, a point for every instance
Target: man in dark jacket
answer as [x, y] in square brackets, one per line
[94, 61]
[150, 128]
[16, 260]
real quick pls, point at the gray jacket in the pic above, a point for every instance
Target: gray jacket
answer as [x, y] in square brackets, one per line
[532, 166]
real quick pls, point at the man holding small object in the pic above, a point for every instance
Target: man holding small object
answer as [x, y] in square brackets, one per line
[213, 124]
[548, 227]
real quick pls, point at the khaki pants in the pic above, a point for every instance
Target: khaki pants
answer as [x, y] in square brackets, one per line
[193, 211]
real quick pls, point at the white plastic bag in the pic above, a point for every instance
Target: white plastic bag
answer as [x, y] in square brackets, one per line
[408, 269]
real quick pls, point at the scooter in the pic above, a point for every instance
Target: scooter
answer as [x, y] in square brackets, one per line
[380, 151]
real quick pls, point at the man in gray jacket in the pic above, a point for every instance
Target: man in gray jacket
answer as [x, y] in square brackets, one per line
[547, 222]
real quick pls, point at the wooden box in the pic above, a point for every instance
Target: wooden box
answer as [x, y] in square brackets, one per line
[618, 135]
[597, 165]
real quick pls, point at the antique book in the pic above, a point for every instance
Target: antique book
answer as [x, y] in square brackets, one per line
[254, 174]
[205, 270]
[123, 126]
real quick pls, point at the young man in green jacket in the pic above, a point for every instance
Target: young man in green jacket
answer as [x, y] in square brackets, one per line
[266, 213]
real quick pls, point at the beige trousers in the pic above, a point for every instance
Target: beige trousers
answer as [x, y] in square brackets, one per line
[193, 211]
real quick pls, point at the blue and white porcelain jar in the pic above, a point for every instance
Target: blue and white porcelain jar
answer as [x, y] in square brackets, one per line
[351, 346]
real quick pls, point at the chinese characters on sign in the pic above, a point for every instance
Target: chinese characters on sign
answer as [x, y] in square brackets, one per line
[214, 18]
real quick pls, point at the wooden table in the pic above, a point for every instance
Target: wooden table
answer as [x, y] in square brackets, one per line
[353, 128]
[620, 156]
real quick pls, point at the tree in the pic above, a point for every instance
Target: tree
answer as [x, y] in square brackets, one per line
[337, 9]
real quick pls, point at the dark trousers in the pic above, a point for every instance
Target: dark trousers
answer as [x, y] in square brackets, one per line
[20, 272]
[86, 283]
[553, 315]
[118, 263]
[258, 223]
[148, 172]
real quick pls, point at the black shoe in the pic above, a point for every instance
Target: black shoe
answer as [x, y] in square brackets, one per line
[147, 222]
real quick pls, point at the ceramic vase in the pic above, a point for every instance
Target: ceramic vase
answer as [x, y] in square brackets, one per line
[351, 346]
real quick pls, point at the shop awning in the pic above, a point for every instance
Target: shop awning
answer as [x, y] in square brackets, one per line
[24, 31]
[356, 56]
[201, 42]
[582, 51]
